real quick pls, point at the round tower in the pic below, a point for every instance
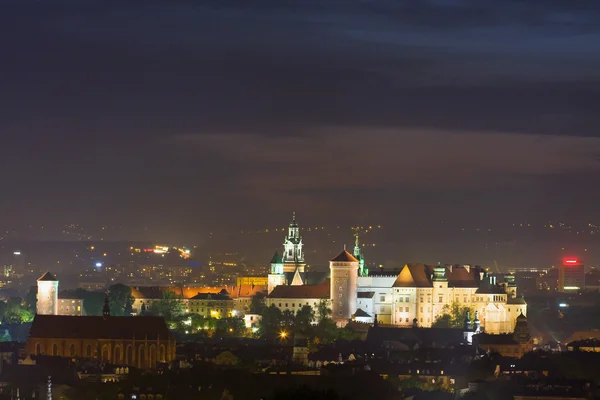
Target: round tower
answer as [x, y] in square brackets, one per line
[344, 287]
[47, 295]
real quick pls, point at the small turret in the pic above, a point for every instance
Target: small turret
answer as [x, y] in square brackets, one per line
[468, 326]
[476, 322]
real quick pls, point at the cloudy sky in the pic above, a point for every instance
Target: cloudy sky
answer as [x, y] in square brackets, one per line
[191, 116]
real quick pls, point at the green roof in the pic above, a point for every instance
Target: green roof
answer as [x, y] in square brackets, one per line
[276, 258]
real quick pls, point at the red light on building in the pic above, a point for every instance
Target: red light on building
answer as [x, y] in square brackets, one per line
[571, 261]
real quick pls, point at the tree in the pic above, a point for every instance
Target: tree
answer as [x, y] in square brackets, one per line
[452, 316]
[323, 310]
[287, 318]
[170, 306]
[92, 301]
[257, 303]
[304, 319]
[3, 309]
[31, 299]
[270, 323]
[326, 330]
[5, 336]
[120, 299]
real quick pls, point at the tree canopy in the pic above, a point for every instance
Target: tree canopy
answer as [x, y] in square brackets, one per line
[453, 316]
[120, 299]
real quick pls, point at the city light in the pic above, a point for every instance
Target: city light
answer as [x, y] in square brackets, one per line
[283, 334]
[98, 264]
[571, 261]
[17, 253]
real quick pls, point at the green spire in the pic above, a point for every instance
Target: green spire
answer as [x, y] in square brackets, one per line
[276, 258]
[362, 271]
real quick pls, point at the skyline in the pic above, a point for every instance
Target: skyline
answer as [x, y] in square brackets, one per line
[188, 118]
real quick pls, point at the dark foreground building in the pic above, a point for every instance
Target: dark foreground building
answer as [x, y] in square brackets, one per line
[139, 342]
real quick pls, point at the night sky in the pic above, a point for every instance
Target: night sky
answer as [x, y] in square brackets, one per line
[183, 117]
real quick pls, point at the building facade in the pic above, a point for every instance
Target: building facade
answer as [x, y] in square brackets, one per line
[140, 342]
[417, 294]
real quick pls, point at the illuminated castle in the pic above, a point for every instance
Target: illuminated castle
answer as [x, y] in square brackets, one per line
[417, 295]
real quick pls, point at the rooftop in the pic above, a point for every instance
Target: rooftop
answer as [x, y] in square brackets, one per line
[97, 327]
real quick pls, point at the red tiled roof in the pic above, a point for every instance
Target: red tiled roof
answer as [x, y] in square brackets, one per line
[246, 290]
[92, 327]
[344, 256]
[320, 291]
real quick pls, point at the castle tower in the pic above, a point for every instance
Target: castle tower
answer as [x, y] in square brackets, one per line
[276, 276]
[293, 254]
[362, 271]
[47, 295]
[344, 287]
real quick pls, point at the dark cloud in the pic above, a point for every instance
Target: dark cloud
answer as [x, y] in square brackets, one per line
[130, 105]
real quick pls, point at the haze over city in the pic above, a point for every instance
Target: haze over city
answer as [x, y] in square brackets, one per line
[176, 120]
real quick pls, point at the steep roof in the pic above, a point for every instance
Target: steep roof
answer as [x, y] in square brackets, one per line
[365, 295]
[276, 258]
[222, 295]
[47, 277]
[420, 275]
[320, 291]
[344, 256]
[413, 275]
[360, 313]
[93, 327]
[188, 292]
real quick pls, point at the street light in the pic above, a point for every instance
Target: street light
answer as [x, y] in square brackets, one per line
[283, 334]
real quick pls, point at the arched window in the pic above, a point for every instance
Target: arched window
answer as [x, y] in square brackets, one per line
[38, 348]
[152, 356]
[72, 350]
[105, 353]
[141, 359]
[163, 353]
[129, 355]
[117, 358]
[54, 349]
[88, 350]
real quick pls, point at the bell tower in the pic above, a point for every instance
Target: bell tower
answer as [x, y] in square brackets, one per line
[293, 253]
[47, 295]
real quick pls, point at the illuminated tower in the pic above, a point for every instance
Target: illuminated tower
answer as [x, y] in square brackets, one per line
[362, 271]
[293, 255]
[47, 295]
[276, 276]
[344, 287]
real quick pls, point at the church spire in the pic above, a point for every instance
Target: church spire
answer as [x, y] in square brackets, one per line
[106, 308]
[362, 271]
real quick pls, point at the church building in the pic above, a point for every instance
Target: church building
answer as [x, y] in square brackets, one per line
[140, 342]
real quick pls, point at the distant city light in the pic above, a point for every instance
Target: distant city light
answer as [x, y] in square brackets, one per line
[563, 305]
[17, 253]
[98, 264]
[571, 261]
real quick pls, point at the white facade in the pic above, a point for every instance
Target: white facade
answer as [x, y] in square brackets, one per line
[47, 295]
